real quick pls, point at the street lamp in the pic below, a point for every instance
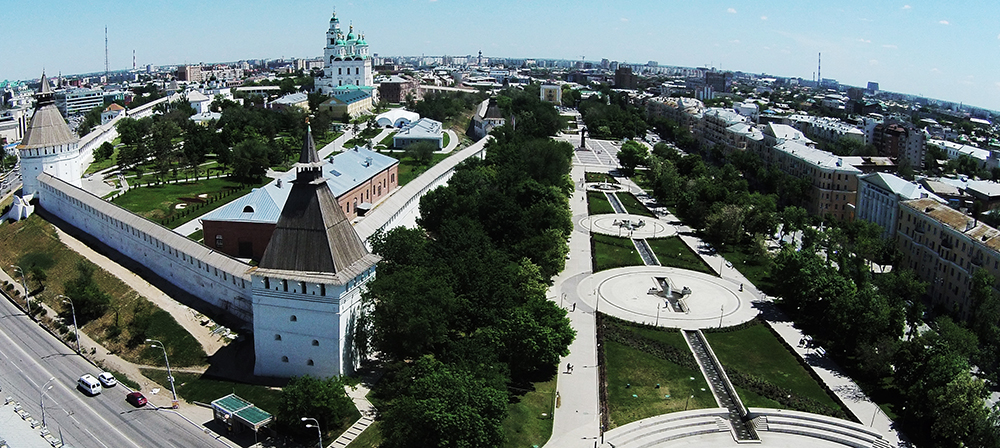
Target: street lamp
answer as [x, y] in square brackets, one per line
[75, 327]
[170, 376]
[687, 401]
[318, 432]
[24, 286]
[41, 394]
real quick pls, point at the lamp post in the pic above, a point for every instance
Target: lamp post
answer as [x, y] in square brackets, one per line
[318, 432]
[41, 395]
[687, 401]
[657, 315]
[170, 376]
[24, 286]
[76, 328]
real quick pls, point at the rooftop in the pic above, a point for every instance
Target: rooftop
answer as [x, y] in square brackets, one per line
[342, 173]
[815, 156]
[958, 221]
[422, 128]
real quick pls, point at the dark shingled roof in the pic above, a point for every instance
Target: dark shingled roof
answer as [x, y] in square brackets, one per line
[313, 234]
[48, 128]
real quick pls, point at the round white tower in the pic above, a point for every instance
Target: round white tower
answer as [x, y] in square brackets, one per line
[48, 145]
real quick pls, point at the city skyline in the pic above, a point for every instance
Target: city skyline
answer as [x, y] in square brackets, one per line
[913, 47]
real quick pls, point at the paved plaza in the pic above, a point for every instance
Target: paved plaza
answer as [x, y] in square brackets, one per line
[636, 294]
[626, 226]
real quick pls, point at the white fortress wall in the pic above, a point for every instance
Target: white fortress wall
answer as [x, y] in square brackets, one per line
[214, 277]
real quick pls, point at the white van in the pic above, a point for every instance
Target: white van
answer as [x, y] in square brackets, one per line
[89, 385]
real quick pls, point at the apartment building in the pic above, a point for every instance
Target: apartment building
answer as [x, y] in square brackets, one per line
[945, 248]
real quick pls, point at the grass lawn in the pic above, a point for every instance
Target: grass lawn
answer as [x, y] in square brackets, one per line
[198, 235]
[755, 350]
[409, 170]
[600, 177]
[674, 253]
[370, 438]
[642, 372]
[104, 164]
[325, 139]
[525, 425]
[611, 252]
[633, 206]
[445, 139]
[597, 203]
[129, 319]
[387, 141]
[158, 202]
[194, 387]
[756, 268]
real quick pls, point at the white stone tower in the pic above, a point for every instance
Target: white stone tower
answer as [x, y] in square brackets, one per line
[307, 288]
[49, 145]
[346, 60]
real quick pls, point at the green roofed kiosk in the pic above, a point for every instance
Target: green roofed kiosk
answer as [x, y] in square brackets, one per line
[238, 414]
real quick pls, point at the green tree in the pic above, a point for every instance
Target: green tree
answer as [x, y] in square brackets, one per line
[88, 298]
[421, 152]
[631, 155]
[443, 406]
[104, 152]
[250, 160]
[324, 399]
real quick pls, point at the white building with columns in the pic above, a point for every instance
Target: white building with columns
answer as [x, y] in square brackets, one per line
[346, 60]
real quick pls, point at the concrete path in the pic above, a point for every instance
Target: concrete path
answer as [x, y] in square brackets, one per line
[453, 141]
[577, 420]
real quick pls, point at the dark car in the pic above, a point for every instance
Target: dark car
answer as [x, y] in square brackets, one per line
[136, 399]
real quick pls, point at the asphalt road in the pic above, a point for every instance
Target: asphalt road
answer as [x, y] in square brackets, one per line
[29, 356]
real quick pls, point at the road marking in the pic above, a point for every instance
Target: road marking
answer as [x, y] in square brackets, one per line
[49, 374]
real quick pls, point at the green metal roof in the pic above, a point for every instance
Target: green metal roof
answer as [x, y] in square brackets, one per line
[243, 410]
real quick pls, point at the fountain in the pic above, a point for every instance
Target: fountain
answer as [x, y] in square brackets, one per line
[675, 299]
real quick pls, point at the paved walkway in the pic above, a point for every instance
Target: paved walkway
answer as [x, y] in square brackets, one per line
[577, 420]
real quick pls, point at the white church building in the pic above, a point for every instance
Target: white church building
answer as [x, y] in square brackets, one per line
[346, 60]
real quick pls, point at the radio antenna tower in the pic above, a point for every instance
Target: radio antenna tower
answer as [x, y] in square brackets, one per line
[107, 69]
[133, 59]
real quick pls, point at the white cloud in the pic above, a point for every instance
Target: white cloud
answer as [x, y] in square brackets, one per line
[734, 41]
[623, 19]
[944, 22]
[906, 6]
[998, 36]
[872, 62]
[935, 70]
[864, 41]
[997, 83]
[890, 46]
[731, 11]
[763, 17]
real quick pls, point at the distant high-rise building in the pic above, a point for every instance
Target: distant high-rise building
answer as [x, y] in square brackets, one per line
[605, 64]
[719, 81]
[624, 79]
[872, 87]
[653, 64]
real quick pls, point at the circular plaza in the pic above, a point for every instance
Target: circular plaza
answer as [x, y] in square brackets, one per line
[626, 226]
[668, 297]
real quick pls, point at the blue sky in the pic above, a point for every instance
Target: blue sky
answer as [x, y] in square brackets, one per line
[945, 50]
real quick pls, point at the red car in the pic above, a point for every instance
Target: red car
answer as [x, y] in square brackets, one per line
[136, 399]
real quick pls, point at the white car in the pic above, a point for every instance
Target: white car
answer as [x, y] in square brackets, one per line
[107, 379]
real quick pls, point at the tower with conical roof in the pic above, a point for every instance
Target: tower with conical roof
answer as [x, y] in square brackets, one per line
[306, 289]
[346, 60]
[48, 144]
